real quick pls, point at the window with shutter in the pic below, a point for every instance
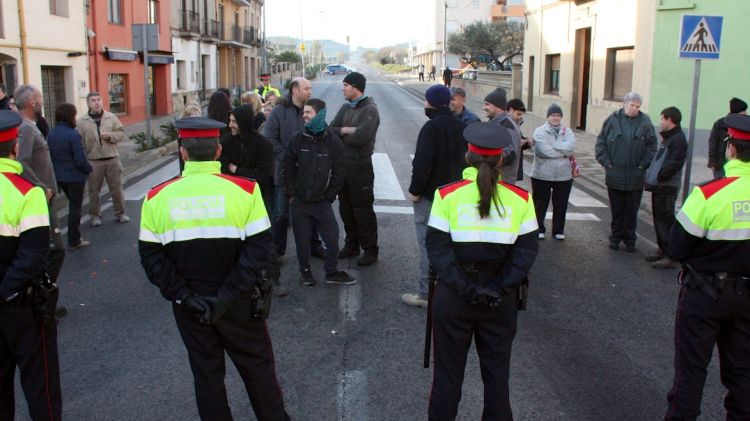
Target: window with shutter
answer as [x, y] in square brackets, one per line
[619, 72]
[552, 85]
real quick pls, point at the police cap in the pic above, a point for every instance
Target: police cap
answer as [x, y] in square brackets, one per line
[198, 127]
[265, 76]
[738, 126]
[487, 138]
[9, 122]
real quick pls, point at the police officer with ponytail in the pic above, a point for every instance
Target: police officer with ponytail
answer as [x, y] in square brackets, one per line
[481, 242]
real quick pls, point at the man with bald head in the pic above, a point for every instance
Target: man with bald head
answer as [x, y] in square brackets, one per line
[284, 121]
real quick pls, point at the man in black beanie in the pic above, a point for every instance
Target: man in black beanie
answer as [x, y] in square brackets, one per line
[716, 145]
[495, 106]
[439, 160]
[356, 124]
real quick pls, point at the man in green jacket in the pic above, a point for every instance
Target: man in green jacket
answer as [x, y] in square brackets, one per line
[625, 146]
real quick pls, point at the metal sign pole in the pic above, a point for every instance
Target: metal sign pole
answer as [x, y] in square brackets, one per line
[691, 129]
[144, 46]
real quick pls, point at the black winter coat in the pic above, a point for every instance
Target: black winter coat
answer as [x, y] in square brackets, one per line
[249, 151]
[313, 167]
[716, 145]
[440, 155]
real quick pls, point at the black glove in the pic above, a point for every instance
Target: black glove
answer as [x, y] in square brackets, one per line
[485, 297]
[194, 304]
[216, 310]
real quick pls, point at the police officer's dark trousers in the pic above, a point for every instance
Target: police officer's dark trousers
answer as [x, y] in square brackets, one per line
[356, 200]
[454, 325]
[25, 344]
[701, 323]
[246, 341]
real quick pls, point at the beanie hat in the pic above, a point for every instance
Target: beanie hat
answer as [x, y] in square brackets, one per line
[357, 80]
[438, 96]
[554, 109]
[737, 106]
[498, 98]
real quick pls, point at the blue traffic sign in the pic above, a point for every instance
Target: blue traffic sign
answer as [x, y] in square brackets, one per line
[700, 37]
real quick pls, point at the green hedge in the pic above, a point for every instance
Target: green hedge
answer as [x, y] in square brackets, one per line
[392, 68]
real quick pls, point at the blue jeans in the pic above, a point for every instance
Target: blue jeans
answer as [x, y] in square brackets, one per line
[422, 209]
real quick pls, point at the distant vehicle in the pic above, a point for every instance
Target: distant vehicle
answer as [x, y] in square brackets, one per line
[337, 69]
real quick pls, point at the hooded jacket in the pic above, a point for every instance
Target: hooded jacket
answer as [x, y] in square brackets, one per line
[624, 153]
[439, 157]
[314, 166]
[284, 121]
[249, 151]
[366, 118]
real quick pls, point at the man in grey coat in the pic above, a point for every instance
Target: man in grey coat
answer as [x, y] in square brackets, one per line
[625, 147]
[495, 107]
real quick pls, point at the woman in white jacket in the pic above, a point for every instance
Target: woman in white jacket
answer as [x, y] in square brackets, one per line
[552, 174]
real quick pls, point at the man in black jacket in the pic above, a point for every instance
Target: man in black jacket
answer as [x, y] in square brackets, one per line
[313, 171]
[716, 144]
[356, 124]
[664, 194]
[438, 160]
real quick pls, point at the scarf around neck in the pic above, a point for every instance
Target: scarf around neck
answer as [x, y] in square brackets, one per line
[318, 123]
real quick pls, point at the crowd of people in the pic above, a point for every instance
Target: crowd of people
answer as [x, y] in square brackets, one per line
[280, 163]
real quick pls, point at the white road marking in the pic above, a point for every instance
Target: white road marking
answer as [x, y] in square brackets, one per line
[350, 299]
[387, 186]
[138, 190]
[402, 210]
[581, 199]
[352, 396]
[573, 216]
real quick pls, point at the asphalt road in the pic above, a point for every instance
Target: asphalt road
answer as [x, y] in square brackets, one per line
[596, 342]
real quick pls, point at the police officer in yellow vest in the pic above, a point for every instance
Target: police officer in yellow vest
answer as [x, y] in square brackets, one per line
[712, 241]
[265, 88]
[24, 244]
[481, 242]
[204, 239]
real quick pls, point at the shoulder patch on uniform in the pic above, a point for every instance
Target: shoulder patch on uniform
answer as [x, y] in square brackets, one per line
[244, 183]
[159, 187]
[515, 189]
[450, 188]
[21, 184]
[712, 187]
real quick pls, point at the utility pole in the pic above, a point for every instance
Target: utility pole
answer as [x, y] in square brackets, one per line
[264, 51]
[445, 32]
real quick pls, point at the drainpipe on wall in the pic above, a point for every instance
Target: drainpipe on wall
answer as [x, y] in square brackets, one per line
[24, 48]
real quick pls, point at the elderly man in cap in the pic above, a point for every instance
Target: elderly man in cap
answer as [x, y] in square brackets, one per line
[266, 87]
[458, 106]
[356, 124]
[716, 140]
[625, 147]
[438, 160]
[712, 241]
[204, 240]
[495, 108]
[24, 241]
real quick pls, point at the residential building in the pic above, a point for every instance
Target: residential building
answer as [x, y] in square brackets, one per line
[239, 41]
[116, 69]
[582, 55]
[195, 35]
[448, 16]
[50, 54]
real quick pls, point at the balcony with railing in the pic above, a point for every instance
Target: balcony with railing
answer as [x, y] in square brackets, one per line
[189, 23]
[249, 36]
[210, 29]
[232, 36]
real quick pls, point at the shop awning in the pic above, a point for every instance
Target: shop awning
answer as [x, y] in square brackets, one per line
[121, 55]
[160, 59]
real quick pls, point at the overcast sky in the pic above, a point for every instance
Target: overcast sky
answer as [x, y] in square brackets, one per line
[368, 23]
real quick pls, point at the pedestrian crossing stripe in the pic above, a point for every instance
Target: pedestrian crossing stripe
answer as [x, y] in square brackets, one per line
[700, 37]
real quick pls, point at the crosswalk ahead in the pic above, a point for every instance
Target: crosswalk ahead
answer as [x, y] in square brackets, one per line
[388, 188]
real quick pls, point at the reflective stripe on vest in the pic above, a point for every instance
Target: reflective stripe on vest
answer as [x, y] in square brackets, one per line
[22, 205]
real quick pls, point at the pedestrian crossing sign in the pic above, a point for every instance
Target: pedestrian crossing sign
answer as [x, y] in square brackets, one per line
[700, 37]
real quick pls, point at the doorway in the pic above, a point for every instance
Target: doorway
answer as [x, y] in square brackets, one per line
[53, 90]
[530, 92]
[581, 73]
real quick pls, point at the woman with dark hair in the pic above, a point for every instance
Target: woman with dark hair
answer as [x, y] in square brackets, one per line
[481, 242]
[219, 108]
[72, 168]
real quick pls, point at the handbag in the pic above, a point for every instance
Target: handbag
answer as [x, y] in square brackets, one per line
[574, 168]
[652, 174]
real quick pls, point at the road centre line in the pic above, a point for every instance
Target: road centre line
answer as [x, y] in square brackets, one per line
[352, 396]
[387, 186]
